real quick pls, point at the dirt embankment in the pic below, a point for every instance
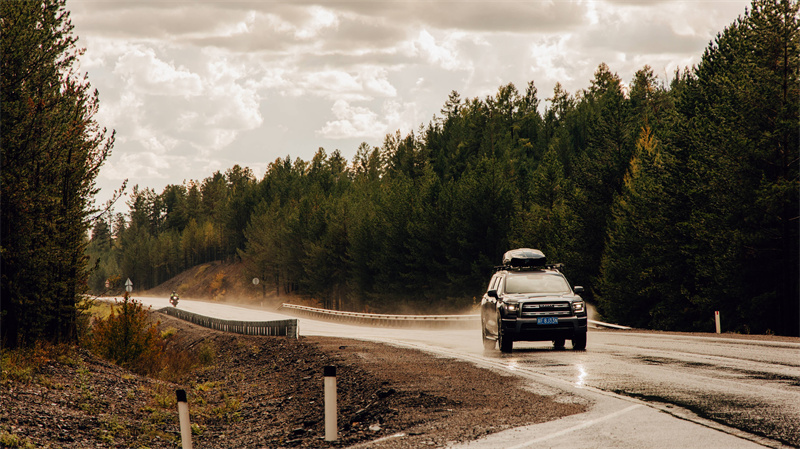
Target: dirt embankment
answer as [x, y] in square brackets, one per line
[266, 392]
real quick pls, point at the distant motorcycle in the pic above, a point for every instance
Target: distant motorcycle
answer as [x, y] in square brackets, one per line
[174, 299]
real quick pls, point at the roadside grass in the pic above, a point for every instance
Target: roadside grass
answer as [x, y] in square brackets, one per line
[99, 310]
[24, 364]
[208, 403]
[156, 355]
[10, 440]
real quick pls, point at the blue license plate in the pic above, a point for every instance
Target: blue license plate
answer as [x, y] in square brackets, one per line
[547, 320]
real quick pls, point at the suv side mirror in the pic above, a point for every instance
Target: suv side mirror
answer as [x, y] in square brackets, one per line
[492, 293]
[578, 289]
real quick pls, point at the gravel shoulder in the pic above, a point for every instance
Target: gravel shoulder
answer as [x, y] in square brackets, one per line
[255, 392]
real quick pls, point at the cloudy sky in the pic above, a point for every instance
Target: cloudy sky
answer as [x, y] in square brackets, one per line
[192, 87]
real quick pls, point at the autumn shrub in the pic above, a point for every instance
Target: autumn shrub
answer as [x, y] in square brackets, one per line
[207, 353]
[129, 338]
[177, 365]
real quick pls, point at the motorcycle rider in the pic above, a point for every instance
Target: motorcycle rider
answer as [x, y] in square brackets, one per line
[174, 299]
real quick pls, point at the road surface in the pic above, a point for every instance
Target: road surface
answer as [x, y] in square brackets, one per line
[646, 390]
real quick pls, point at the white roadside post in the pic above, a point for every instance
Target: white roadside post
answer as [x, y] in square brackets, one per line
[331, 426]
[183, 415]
[255, 283]
[716, 318]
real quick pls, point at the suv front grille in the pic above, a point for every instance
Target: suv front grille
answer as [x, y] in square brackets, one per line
[555, 308]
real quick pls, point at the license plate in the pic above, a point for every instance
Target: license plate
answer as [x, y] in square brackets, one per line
[547, 320]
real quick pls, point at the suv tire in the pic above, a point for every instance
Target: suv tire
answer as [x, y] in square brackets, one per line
[504, 341]
[579, 341]
[558, 343]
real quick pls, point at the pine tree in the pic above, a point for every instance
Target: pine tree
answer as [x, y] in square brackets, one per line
[643, 269]
[51, 154]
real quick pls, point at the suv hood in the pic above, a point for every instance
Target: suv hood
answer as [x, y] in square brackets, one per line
[522, 297]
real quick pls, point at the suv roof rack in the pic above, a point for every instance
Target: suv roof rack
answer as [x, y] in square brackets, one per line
[552, 266]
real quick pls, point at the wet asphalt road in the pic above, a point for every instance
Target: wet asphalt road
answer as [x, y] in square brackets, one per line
[750, 385]
[744, 384]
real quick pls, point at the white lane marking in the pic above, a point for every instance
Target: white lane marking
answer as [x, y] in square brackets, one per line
[574, 428]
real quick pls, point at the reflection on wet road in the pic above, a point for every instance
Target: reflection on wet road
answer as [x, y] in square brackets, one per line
[753, 386]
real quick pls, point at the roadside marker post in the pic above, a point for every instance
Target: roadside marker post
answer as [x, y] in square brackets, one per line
[183, 415]
[331, 426]
[716, 318]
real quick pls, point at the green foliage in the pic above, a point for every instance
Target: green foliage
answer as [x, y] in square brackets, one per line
[128, 338]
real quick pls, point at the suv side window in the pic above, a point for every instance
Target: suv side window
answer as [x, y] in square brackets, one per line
[494, 282]
[499, 284]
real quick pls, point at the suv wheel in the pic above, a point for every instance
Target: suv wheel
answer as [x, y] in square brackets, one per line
[488, 343]
[559, 343]
[579, 341]
[504, 341]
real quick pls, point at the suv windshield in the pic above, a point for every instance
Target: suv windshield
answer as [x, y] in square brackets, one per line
[536, 283]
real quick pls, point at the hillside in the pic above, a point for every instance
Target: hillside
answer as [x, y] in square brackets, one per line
[228, 282]
[220, 281]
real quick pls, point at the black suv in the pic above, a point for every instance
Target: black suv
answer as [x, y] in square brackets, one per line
[529, 300]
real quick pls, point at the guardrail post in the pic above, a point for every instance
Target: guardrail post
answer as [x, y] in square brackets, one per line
[183, 415]
[716, 318]
[331, 426]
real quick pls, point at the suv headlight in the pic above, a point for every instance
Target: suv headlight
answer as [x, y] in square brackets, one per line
[511, 308]
[578, 306]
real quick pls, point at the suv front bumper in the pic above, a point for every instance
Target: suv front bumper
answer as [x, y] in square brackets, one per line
[527, 329]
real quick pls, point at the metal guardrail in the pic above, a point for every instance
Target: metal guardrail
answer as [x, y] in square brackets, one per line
[600, 324]
[429, 321]
[281, 328]
[374, 319]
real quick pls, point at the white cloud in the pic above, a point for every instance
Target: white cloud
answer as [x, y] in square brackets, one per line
[233, 105]
[332, 84]
[320, 20]
[133, 166]
[444, 54]
[358, 83]
[374, 80]
[352, 121]
[145, 72]
[402, 116]
[549, 58]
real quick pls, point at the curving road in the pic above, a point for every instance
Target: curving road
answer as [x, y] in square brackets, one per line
[646, 389]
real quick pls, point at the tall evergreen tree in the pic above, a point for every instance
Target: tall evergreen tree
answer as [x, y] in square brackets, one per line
[51, 153]
[643, 273]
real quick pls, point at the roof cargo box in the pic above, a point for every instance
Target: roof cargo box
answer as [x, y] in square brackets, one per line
[524, 257]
